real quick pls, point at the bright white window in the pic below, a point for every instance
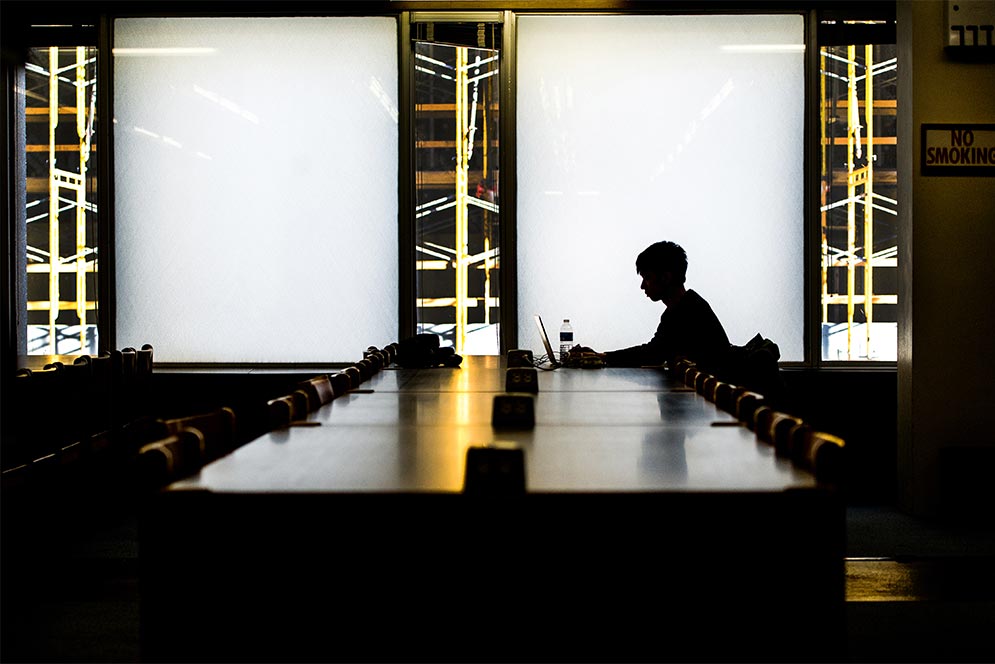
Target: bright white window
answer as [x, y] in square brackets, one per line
[634, 129]
[255, 174]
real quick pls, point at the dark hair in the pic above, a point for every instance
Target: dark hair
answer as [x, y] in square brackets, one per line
[663, 257]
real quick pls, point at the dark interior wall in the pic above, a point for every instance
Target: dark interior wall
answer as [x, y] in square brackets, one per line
[946, 452]
[860, 406]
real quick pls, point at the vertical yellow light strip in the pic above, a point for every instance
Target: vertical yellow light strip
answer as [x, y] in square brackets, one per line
[853, 120]
[826, 181]
[487, 213]
[81, 195]
[462, 166]
[53, 198]
[869, 194]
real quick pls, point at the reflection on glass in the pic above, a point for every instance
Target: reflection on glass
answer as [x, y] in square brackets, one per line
[859, 202]
[60, 112]
[457, 207]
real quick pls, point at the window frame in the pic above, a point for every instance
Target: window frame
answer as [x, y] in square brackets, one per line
[20, 35]
[839, 24]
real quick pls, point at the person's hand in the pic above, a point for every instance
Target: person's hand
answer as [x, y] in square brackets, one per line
[578, 349]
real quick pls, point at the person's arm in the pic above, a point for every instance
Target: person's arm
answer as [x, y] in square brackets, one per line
[651, 353]
[634, 356]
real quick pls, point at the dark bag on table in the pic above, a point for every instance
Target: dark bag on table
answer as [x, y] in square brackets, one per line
[422, 350]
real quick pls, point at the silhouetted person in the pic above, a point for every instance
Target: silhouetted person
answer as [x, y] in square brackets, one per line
[688, 329]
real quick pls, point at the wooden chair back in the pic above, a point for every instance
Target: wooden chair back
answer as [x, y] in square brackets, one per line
[280, 411]
[169, 459]
[218, 427]
[319, 390]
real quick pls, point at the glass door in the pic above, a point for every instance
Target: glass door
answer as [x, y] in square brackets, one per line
[457, 207]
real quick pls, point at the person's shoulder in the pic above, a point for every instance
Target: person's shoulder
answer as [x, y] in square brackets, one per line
[694, 297]
[693, 301]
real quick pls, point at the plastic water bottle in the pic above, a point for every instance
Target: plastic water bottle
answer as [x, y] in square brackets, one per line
[566, 338]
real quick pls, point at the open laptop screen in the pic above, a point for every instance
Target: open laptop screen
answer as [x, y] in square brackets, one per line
[545, 341]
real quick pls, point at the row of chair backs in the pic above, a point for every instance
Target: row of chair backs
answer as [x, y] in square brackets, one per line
[127, 447]
[68, 455]
[818, 452]
[171, 449]
[311, 394]
[57, 409]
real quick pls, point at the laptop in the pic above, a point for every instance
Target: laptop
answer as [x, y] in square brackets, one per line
[545, 342]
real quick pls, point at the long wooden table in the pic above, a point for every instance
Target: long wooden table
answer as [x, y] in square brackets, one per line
[652, 527]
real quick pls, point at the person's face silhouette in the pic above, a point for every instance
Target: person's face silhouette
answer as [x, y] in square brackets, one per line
[654, 285]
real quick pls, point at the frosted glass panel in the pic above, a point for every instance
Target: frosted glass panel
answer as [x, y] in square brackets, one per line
[634, 129]
[255, 166]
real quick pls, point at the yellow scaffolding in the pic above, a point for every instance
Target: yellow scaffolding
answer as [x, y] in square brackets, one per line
[860, 190]
[74, 182]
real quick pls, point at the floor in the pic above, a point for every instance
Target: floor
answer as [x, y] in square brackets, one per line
[916, 592]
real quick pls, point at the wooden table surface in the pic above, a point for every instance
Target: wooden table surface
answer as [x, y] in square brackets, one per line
[595, 430]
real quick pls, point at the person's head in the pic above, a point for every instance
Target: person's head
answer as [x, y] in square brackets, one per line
[663, 267]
